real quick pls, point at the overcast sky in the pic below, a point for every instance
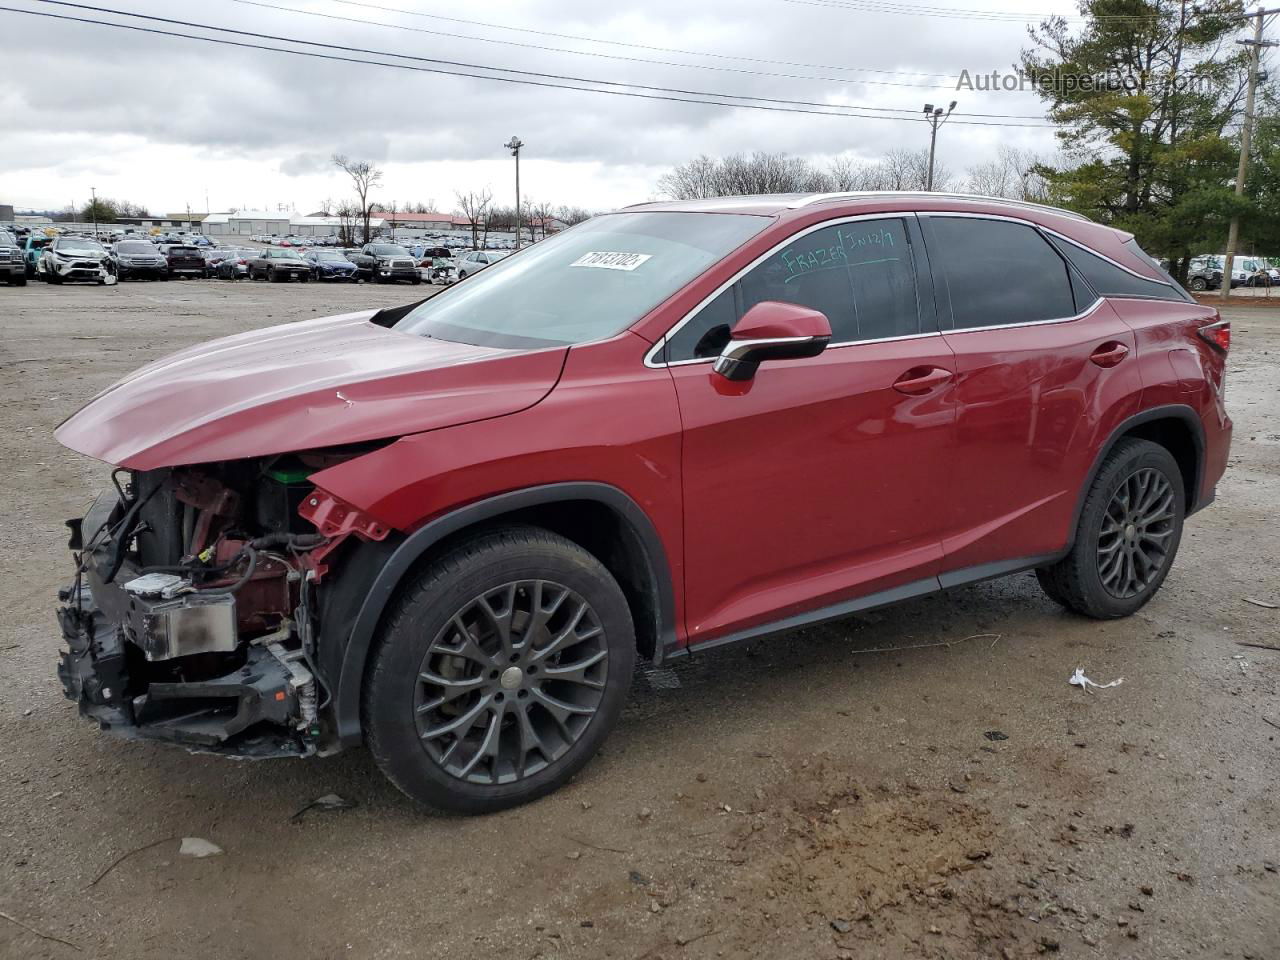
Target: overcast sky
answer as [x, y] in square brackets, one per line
[160, 120]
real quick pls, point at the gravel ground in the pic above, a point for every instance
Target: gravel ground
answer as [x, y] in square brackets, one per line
[913, 782]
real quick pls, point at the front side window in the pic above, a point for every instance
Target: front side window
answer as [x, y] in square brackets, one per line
[860, 274]
[998, 273]
[586, 283]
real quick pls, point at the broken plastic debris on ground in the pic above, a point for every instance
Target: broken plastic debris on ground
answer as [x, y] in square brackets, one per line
[1078, 679]
[197, 847]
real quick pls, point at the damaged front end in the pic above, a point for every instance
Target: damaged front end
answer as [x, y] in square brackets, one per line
[194, 613]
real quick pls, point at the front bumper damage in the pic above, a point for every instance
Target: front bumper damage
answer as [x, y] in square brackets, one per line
[253, 711]
[182, 625]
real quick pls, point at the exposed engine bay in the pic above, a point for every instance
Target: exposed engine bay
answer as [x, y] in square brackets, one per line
[193, 615]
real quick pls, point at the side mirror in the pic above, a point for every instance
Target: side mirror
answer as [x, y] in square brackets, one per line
[772, 330]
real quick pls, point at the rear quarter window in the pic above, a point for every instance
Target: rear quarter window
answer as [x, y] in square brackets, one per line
[1112, 280]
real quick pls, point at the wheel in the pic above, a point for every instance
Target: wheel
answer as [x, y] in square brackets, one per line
[304, 277]
[1199, 283]
[462, 275]
[499, 672]
[1127, 537]
[271, 275]
[52, 276]
[416, 281]
[19, 281]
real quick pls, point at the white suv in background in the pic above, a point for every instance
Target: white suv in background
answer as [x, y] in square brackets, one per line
[476, 260]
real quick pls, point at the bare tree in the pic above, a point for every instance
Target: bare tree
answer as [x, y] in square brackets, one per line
[348, 217]
[364, 177]
[1013, 173]
[474, 205]
[570, 216]
[739, 175]
[540, 211]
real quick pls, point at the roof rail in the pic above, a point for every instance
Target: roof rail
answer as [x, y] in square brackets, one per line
[919, 194]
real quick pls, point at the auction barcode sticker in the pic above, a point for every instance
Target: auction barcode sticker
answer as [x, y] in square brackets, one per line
[611, 260]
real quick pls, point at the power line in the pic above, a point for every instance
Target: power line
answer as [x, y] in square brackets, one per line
[598, 54]
[623, 43]
[544, 79]
[664, 63]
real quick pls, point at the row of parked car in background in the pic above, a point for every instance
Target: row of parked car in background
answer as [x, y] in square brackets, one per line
[1206, 272]
[64, 258]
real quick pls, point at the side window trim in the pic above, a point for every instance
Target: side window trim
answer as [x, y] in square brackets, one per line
[946, 316]
[929, 314]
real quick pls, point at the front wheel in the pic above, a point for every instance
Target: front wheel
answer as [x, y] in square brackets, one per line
[1127, 536]
[499, 672]
[1199, 283]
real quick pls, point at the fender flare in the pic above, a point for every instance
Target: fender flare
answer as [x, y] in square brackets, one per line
[1175, 411]
[348, 690]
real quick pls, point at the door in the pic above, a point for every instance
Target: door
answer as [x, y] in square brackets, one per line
[816, 481]
[1041, 363]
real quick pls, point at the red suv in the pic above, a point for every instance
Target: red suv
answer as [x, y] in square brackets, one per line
[447, 530]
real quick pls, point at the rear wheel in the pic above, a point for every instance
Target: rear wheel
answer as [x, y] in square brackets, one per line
[499, 672]
[1199, 283]
[1127, 537]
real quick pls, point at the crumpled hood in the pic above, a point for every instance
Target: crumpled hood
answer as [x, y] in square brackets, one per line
[300, 386]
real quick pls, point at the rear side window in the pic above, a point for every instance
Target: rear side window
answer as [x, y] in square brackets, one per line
[860, 274]
[1113, 281]
[998, 273]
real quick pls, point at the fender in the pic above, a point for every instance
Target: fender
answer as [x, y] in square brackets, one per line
[347, 693]
[1178, 411]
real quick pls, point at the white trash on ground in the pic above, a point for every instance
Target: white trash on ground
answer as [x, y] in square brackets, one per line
[197, 847]
[1078, 679]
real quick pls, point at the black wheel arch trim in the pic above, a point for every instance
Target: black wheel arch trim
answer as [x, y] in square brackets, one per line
[347, 690]
[1172, 411]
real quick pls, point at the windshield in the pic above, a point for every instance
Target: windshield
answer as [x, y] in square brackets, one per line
[583, 284]
[328, 255]
[88, 246]
[135, 246]
[388, 250]
[7, 237]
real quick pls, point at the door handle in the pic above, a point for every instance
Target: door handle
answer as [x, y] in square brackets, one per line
[918, 381]
[1109, 354]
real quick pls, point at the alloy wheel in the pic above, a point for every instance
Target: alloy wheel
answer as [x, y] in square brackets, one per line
[1137, 529]
[511, 682]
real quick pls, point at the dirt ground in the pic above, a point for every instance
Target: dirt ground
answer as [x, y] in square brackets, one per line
[852, 790]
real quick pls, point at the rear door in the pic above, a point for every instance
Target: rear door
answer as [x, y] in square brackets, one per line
[816, 482]
[1044, 365]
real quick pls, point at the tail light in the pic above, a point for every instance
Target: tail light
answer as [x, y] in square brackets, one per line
[1217, 335]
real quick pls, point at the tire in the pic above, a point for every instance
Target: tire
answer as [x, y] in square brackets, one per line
[516, 569]
[304, 278]
[20, 281]
[271, 276]
[52, 276]
[1199, 283]
[1103, 581]
[462, 275]
[416, 281]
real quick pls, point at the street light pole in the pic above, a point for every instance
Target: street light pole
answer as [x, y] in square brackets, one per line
[1242, 171]
[93, 210]
[514, 145]
[935, 119]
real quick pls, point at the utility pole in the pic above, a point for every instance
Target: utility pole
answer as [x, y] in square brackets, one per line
[514, 145]
[935, 118]
[1246, 134]
[93, 210]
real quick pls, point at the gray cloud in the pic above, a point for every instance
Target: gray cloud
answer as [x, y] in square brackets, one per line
[85, 103]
